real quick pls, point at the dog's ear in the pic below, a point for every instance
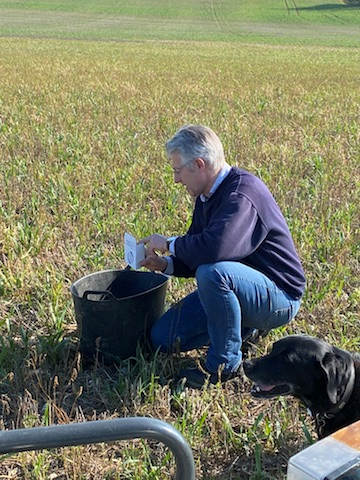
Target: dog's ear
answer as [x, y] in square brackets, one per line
[336, 365]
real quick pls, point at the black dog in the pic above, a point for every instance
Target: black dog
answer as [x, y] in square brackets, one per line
[324, 378]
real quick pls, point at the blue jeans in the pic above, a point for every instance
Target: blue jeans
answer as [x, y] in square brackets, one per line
[231, 299]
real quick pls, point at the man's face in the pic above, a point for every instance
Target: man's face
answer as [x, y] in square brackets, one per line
[193, 180]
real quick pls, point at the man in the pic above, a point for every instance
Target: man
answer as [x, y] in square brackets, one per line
[238, 248]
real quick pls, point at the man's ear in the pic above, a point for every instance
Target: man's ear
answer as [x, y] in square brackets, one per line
[199, 163]
[336, 365]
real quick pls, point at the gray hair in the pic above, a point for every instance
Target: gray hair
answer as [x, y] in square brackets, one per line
[197, 141]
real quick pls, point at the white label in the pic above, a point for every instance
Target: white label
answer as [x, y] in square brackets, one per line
[134, 252]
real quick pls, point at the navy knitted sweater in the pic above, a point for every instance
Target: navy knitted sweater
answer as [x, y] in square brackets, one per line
[241, 222]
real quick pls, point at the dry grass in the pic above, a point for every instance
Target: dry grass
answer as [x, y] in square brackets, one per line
[82, 128]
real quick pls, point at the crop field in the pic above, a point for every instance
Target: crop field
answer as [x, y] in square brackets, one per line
[298, 22]
[83, 124]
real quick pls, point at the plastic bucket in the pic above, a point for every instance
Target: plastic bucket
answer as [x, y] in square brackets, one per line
[115, 310]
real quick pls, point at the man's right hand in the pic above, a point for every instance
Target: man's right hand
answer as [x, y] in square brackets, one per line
[154, 262]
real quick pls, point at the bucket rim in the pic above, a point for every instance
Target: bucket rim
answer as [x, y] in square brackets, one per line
[112, 270]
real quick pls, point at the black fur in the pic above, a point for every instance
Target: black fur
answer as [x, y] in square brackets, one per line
[314, 372]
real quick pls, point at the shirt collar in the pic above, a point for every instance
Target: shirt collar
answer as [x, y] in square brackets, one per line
[219, 179]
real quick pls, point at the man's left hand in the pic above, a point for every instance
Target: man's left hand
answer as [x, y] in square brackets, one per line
[154, 243]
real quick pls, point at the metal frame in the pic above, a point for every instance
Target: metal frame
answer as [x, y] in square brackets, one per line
[54, 436]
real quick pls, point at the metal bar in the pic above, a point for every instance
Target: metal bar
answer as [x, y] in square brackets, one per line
[54, 436]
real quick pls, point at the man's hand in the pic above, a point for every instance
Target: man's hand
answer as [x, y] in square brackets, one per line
[154, 243]
[154, 262]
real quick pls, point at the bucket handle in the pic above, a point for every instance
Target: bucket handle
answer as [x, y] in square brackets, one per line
[104, 294]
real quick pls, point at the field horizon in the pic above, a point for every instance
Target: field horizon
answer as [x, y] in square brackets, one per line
[311, 22]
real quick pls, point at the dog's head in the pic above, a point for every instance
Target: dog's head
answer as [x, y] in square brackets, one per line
[303, 366]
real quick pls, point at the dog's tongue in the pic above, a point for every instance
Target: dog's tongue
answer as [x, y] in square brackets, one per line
[266, 388]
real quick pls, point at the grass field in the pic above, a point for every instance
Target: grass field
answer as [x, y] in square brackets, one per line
[82, 129]
[335, 22]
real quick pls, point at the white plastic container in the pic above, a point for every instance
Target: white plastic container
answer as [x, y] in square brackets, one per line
[333, 458]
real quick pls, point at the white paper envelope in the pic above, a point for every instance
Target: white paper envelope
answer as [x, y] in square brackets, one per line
[134, 252]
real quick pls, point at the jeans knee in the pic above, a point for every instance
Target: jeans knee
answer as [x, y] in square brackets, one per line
[205, 274]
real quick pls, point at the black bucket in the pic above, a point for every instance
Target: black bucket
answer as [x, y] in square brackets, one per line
[115, 310]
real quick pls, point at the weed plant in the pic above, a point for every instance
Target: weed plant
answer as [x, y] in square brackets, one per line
[82, 132]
